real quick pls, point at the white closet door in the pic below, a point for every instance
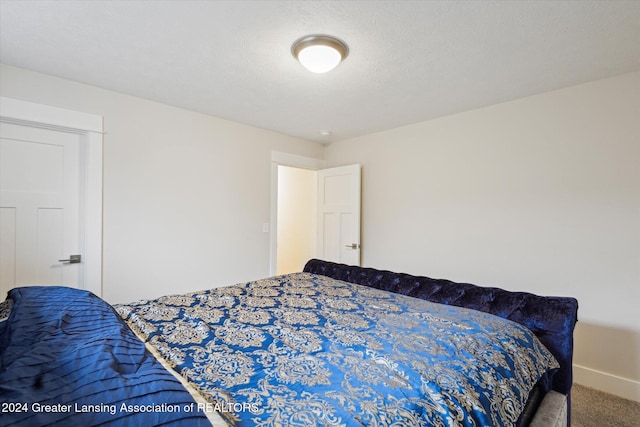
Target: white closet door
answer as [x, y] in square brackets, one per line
[40, 189]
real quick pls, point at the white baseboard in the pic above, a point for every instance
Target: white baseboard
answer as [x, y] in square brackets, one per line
[623, 387]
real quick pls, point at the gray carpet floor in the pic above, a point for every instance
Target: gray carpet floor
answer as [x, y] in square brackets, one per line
[594, 408]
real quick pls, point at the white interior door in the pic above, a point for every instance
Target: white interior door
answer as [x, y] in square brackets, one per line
[40, 221]
[339, 214]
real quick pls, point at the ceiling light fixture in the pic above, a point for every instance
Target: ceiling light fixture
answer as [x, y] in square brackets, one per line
[319, 53]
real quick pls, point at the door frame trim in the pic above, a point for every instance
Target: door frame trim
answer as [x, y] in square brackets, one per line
[90, 129]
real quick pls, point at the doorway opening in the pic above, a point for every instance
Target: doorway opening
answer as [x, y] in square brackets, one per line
[297, 218]
[295, 163]
[315, 213]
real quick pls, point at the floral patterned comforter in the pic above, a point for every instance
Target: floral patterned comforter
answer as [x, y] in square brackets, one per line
[304, 349]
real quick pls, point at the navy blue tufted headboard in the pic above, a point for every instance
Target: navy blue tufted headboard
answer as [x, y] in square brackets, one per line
[551, 319]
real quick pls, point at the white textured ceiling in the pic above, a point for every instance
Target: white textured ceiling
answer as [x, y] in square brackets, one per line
[409, 61]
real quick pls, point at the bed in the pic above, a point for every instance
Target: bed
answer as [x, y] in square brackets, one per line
[334, 345]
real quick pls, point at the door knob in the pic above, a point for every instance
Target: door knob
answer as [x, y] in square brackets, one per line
[353, 246]
[73, 259]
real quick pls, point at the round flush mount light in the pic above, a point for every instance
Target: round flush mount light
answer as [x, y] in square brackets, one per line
[319, 53]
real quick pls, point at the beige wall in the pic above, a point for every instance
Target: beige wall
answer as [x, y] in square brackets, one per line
[185, 194]
[296, 218]
[541, 194]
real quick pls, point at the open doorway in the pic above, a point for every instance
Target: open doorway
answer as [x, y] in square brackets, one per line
[315, 212]
[287, 209]
[297, 218]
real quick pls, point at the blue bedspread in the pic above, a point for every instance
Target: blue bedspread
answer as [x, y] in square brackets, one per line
[67, 359]
[305, 349]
